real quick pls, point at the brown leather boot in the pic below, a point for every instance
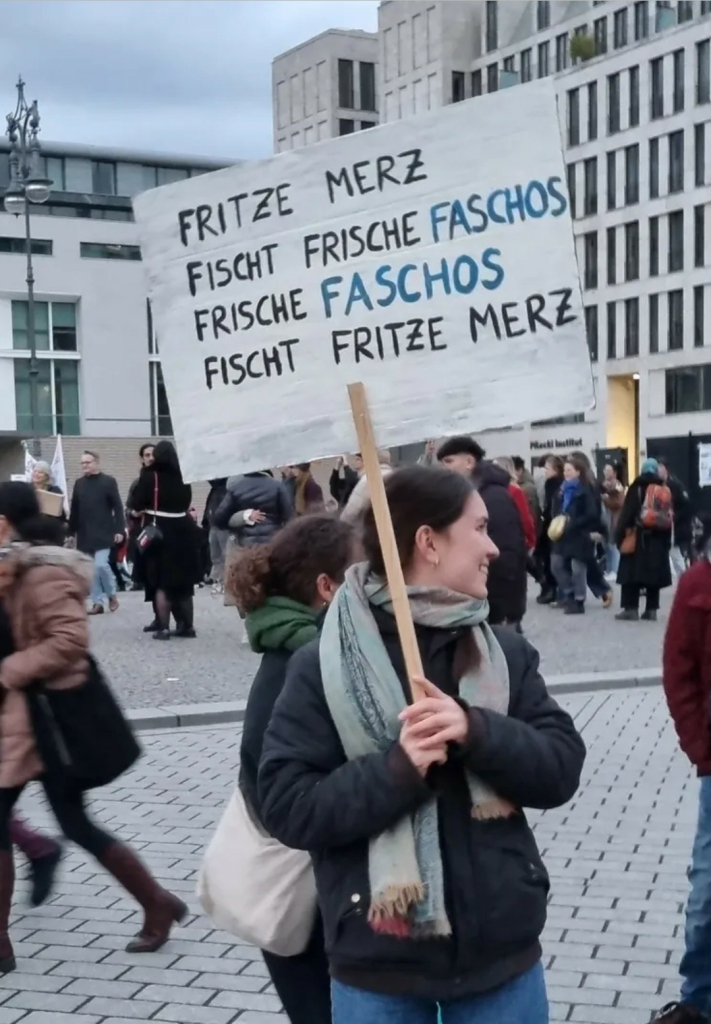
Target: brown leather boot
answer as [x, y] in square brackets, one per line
[162, 909]
[7, 886]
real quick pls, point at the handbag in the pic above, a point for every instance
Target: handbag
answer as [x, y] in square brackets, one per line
[253, 887]
[629, 543]
[82, 735]
[151, 534]
[557, 528]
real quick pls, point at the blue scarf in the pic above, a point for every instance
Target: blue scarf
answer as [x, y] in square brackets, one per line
[569, 489]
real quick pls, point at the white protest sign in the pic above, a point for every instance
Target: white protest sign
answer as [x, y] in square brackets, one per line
[431, 259]
[704, 465]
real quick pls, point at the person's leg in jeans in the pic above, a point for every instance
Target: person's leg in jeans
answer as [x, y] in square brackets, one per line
[678, 563]
[356, 1006]
[579, 578]
[613, 558]
[561, 570]
[695, 967]
[521, 1001]
[103, 582]
[303, 982]
[43, 854]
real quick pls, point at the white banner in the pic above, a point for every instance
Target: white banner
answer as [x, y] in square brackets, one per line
[704, 465]
[432, 259]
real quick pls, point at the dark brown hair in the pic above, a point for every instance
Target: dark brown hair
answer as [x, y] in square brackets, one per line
[290, 565]
[556, 462]
[417, 496]
[581, 463]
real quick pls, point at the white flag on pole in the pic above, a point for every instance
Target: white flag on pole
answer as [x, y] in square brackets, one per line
[30, 463]
[58, 471]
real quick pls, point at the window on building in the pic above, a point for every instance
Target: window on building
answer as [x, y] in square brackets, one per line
[476, 83]
[600, 35]
[103, 177]
[632, 175]
[346, 126]
[364, 125]
[703, 71]
[55, 326]
[590, 185]
[526, 65]
[53, 168]
[510, 64]
[150, 330]
[611, 331]
[18, 246]
[346, 91]
[700, 235]
[632, 327]
[161, 424]
[592, 111]
[684, 11]
[700, 154]
[641, 20]
[675, 301]
[492, 78]
[654, 168]
[634, 96]
[109, 251]
[492, 25]
[543, 14]
[561, 52]
[611, 255]
[699, 316]
[678, 93]
[654, 246]
[611, 180]
[613, 103]
[676, 241]
[591, 331]
[572, 191]
[367, 86]
[688, 389]
[590, 260]
[458, 90]
[676, 161]
[544, 60]
[632, 251]
[657, 88]
[573, 117]
[620, 28]
[705, 8]
[653, 324]
[57, 397]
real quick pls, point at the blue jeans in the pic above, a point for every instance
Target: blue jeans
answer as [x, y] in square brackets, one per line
[695, 966]
[613, 558]
[521, 1001]
[104, 581]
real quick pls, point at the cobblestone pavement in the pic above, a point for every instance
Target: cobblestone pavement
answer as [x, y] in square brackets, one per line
[217, 667]
[617, 856]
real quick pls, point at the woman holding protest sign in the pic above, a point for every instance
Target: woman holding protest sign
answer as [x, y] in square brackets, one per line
[431, 887]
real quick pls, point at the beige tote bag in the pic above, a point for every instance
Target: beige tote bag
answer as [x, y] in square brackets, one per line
[253, 887]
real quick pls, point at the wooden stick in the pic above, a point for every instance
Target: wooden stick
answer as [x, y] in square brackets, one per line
[386, 534]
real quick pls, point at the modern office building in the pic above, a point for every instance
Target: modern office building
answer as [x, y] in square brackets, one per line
[634, 87]
[324, 87]
[100, 382]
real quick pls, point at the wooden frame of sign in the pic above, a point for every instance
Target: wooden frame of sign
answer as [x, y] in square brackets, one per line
[386, 535]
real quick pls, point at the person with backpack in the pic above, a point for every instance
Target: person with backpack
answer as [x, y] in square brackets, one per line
[644, 536]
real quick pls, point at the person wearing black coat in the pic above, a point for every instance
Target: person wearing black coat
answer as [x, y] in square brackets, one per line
[647, 567]
[353, 796]
[578, 501]
[682, 535]
[282, 590]
[342, 482]
[551, 489]
[171, 562]
[508, 574]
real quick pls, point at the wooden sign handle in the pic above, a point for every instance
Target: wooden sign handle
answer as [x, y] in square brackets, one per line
[386, 534]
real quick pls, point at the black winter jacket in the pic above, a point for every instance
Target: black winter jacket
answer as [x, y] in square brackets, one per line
[314, 799]
[257, 491]
[584, 518]
[508, 574]
[649, 565]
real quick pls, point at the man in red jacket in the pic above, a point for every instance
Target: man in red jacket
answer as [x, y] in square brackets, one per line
[687, 685]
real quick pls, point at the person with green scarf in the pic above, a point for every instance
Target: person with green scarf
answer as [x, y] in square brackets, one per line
[282, 589]
[432, 890]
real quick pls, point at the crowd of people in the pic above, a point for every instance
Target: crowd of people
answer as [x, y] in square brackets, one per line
[431, 890]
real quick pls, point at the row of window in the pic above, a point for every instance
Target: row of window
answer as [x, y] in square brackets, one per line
[346, 85]
[688, 389]
[675, 248]
[629, 158]
[101, 177]
[58, 398]
[88, 250]
[623, 326]
[346, 126]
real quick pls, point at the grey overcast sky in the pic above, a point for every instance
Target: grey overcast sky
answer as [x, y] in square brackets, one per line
[173, 76]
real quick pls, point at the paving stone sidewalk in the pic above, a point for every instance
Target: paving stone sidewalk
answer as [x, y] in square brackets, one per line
[617, 856]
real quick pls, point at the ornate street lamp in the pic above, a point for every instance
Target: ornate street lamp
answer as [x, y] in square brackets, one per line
[27, 185]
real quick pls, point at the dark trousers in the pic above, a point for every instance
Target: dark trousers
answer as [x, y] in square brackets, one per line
[67, 805]
[630, 593]
[302, 982]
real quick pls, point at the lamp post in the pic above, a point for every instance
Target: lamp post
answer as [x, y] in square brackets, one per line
[27, 185]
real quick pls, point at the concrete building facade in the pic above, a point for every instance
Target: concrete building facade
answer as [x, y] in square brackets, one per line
[634, 87]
